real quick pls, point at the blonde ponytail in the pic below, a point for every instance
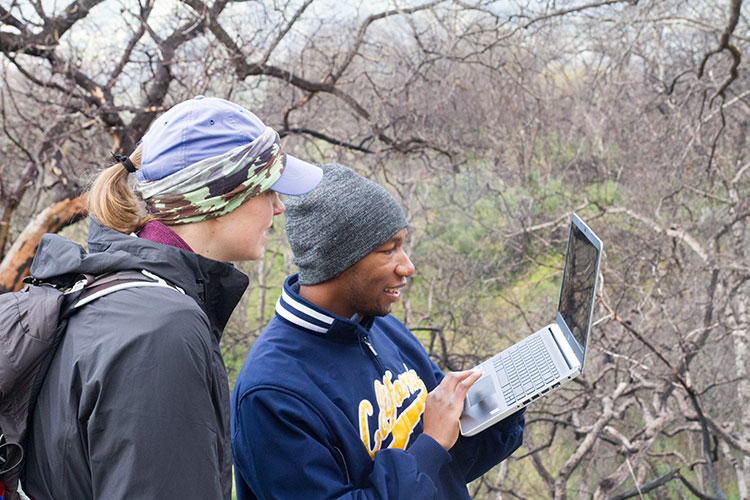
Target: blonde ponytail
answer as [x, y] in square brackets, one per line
[113, 203]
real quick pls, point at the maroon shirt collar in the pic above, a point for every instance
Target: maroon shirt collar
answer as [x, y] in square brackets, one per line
[161, 233]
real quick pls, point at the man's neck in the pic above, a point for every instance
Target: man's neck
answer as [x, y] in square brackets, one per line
[324, 295]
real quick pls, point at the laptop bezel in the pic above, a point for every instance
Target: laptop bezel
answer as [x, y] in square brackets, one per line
[579, 350]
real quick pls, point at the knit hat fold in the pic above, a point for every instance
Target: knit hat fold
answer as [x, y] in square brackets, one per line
[335, 225]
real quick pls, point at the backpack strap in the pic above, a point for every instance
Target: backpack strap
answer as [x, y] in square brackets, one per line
[94, 287]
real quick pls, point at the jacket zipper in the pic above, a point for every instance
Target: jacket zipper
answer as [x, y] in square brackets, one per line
[366, 340]
[201, 290]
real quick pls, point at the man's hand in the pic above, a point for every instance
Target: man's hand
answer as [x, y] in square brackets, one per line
[445, 404]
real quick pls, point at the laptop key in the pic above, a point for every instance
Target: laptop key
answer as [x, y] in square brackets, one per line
[502, 378]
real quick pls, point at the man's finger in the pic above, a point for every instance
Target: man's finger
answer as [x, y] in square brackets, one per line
[452, 379]
[463, 387]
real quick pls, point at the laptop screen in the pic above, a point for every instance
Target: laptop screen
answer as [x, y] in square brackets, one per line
[579, 282]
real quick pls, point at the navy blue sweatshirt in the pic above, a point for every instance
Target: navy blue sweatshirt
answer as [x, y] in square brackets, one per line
[326, 407]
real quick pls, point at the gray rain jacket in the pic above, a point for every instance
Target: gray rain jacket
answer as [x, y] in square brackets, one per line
[135, 403]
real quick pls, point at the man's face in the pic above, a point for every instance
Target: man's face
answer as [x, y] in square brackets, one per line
[372, 285]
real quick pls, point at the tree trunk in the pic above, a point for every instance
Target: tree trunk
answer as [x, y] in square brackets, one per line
[741, 340]
[16, 264]
[502, 474]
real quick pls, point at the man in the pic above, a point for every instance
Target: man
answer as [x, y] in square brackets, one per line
[337, 398]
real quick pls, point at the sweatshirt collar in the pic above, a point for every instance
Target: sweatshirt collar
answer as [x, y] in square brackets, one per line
[314, 319]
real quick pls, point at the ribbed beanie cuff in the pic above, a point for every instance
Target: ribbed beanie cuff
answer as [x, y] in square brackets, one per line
[338, 223]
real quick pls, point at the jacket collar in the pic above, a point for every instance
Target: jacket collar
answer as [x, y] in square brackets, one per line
[310, 318]
[216, 286]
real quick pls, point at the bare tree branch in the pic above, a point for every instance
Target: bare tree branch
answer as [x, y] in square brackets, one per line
[724, 44]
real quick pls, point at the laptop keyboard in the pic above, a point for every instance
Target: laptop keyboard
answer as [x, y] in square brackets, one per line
[524, 368]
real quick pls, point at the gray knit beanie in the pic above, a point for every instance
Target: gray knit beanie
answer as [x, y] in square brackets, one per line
[338, 223]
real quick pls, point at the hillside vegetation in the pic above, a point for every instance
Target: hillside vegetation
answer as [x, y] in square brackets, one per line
[491, 122]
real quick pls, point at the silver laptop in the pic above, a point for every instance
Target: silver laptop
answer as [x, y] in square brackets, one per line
[548, 358]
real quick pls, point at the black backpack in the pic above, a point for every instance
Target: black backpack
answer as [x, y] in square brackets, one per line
[32, 323]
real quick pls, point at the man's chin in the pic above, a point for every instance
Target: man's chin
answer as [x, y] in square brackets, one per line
[383, 311]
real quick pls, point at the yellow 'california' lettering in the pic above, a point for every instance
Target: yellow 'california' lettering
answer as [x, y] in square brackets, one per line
[365, 410]
[390, 396]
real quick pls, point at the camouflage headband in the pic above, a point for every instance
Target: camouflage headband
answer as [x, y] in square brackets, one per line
[217, 185]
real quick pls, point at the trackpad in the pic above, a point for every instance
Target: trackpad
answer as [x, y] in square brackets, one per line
[480, 390]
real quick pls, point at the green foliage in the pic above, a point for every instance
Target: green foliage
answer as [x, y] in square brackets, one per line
[604, 193]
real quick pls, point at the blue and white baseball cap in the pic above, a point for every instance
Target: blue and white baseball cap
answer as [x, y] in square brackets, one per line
[204, 127]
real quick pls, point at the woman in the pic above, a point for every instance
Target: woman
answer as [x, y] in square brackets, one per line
[135, 403]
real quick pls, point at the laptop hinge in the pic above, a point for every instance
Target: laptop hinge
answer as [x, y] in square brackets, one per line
[565, 349]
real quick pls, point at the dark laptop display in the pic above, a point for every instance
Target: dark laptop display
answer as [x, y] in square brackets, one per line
[576, 299]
